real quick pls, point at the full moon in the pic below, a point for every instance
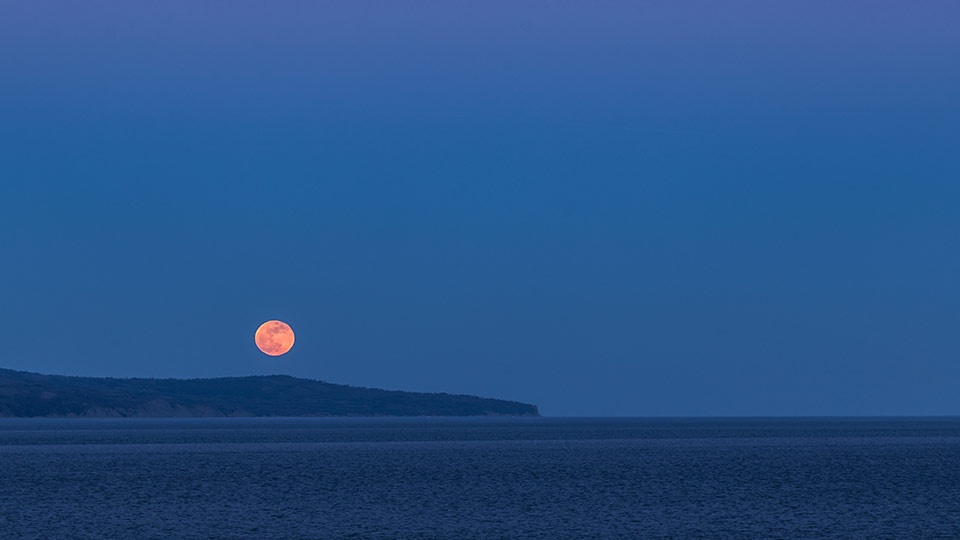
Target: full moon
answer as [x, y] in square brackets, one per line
[274, 338]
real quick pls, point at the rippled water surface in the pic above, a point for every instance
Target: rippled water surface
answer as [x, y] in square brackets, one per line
[480, 478]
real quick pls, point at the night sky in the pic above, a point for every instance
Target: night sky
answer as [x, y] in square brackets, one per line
[603, 208]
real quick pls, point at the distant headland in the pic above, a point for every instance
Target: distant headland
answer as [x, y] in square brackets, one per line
[24, 394]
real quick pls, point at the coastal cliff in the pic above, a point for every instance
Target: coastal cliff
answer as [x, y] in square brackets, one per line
[24, 394]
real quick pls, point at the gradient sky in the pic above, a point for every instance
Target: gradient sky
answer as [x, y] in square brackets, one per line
[603, 208]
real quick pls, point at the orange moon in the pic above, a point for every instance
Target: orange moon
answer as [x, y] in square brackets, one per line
[274, 338]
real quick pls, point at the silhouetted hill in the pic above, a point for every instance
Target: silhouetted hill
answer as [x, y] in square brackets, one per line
[31, 394]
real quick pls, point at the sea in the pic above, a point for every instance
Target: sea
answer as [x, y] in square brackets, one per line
[449, 478]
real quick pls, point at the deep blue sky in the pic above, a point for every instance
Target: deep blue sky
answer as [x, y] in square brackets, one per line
[604, 208]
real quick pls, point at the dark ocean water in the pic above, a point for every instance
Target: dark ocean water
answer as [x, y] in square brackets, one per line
[480, 478]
